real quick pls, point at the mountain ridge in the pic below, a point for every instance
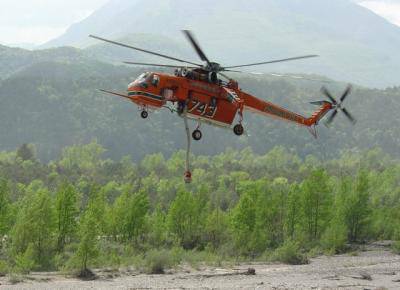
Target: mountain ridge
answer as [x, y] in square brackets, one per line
[355, 44]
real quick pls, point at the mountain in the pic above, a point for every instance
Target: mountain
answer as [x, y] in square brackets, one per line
[354, 43]
[13, 60]
[54, 102]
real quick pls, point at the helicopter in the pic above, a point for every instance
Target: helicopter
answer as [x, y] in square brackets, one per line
[204, 93]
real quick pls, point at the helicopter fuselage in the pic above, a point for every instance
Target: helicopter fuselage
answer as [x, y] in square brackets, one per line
[213, 103]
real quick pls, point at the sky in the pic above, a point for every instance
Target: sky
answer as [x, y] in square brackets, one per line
[38, 21]
[390, 9]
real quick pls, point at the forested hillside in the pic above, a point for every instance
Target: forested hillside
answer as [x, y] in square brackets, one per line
[13, 60]
[81, 210]
[54, 102]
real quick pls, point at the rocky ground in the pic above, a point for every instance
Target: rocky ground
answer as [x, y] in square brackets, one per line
[375, 268]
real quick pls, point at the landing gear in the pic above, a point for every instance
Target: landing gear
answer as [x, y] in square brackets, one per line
[144, 114]
[196, 135]
[238, 130]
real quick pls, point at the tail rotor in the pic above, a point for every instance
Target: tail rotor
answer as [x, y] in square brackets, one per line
[338, 105]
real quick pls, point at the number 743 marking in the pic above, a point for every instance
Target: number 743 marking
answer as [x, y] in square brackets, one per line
[204, 109]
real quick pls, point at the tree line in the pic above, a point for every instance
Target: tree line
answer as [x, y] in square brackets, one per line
[82, 210]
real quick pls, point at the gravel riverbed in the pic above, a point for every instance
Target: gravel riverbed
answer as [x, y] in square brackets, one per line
[375, 268]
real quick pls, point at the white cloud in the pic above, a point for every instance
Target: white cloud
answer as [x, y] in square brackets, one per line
[37, 21]
[387, 9]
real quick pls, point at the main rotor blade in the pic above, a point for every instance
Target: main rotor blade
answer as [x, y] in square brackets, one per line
[157, 64]
[196, 46]
[346, 93]
[225, 76]
[349, 116]
[143, 50]
[115, 94]
[280, 75]
[331, 117]
[328, 94]
[273, 61]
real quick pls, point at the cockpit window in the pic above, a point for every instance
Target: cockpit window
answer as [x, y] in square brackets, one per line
[155, 80]
[142, 80]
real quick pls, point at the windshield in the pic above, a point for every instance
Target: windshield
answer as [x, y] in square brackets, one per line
[142, 80]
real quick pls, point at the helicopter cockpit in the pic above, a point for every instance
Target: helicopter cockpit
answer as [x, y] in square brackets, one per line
[143, 80]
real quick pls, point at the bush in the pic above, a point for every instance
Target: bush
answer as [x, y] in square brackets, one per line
[157, 261]
[289, 253]
[4, 269]
[396, 247]
[334, 238]
[24, 263]
[15, 279]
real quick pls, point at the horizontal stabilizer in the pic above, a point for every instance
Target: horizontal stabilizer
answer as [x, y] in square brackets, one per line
[319, 103]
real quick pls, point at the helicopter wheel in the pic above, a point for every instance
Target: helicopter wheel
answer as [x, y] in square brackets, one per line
[196, 135]
[144, 114]
[238, 130]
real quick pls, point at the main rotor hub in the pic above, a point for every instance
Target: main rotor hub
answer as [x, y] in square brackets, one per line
[213, 66]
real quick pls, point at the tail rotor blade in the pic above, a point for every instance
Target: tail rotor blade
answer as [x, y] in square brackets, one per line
[331, 117]
[336, 106]
[346, 93]
[349, 116]
[328, 94]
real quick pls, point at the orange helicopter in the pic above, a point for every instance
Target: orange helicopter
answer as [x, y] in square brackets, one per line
[196, 92]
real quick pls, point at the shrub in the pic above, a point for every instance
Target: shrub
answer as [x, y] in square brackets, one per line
[24, 263]
[4, 269]
[396, 247]
[289, 253]
[334, 238]
[157, 261]
[15, 279]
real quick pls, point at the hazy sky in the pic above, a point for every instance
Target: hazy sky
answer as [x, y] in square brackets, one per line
[37, 21]
[390, 9]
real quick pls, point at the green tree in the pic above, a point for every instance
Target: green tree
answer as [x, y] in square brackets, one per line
[66, 214]
[26, 152]
[129, 215]
[216, 226]
[293, 212]
[86, 158]
[88, 239]
[316, 202]
[25, 262]
[243, 221]
[157, 225]
[357, 207]
[185, 219]
[5, 208]
[35, 224]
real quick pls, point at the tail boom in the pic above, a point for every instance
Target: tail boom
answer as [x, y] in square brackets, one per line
[259, 106]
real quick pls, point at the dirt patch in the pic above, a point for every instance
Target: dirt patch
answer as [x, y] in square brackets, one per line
[375, 268]
[86, 275]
